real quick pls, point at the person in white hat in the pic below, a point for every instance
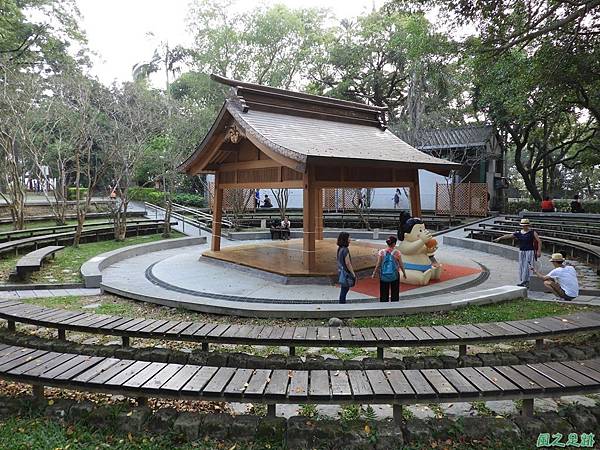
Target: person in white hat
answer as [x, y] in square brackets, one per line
[530, 246]
[562, 280]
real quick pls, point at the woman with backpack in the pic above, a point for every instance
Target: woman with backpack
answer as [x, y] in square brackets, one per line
[389, 263]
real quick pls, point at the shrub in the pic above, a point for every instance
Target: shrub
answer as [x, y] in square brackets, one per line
[562, 205]
[149, 195]
[72, 193]
[189, 200]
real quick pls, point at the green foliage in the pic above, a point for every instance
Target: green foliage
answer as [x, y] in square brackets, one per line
[72, 193]
[309, 410]
[189, 200]
[149, 195]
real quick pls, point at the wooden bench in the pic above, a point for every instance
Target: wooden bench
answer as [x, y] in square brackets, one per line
[144, 380]
[14, 311]
[589, 251]
[92, 233]
[33, 261]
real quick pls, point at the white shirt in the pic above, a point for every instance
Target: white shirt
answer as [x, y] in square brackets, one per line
[566, 277]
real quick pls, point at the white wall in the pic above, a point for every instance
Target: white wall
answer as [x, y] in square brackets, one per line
[382, 197]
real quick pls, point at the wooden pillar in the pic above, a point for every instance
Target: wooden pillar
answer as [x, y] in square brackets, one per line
[319, 214]
[415, 196]
[309, 227]
[217, 215]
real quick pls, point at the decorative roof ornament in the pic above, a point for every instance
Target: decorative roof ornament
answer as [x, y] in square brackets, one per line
[234, 134]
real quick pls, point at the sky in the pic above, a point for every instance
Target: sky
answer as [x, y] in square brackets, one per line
[118, 30]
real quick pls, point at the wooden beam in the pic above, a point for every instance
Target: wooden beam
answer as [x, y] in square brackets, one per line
[294, 184]
[217, 215]
[256, 164]
[415, 197]
[319, 213]
[309, 223]
[362, 184]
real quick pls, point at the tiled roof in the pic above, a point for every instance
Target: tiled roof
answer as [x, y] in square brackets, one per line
[467, 136]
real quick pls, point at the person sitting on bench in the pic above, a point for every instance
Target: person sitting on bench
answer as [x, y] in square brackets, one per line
[267, 202]
[562, 280]
[576, 205]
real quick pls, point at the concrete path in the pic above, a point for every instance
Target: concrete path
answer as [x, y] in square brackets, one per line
[40, 293]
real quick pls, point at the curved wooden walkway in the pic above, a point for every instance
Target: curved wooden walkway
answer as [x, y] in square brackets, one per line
[214, 333]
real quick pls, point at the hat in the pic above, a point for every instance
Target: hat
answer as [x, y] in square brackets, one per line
[557, 257]
[525, 222]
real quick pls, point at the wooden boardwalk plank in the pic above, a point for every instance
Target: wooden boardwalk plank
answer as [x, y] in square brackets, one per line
[401, 386]
[479, 381]
[98, 369]
[442, 386]
[238, 383]
[84, 363]
[361, 388]
[380, 384]
[460, 383]
[199, 380]
[258, 382]
[536, 377]
[419, 384]
[156, 381]
[144, 375]
[218, 382]
[278, 383]
[180, 379]
[124, 376]
[498, 379]
[340, 385]
[319, 385]
[298, 386]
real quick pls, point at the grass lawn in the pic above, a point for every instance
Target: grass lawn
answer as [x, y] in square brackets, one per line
[511, 310]
[65, 267]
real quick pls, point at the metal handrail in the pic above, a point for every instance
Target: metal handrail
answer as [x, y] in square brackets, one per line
[201, 214]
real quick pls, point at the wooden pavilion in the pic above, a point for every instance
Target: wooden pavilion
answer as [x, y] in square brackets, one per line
[273, 138]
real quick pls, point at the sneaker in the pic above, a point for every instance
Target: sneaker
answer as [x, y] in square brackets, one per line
[523, 284]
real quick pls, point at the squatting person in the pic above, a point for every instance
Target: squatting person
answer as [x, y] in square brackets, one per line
[562, 280]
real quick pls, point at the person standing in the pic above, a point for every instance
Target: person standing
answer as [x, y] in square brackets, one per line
[256, 199]
[397, 199]
[285, 228]
[530, 246]
[346, 274]
[389, 264]
[562, 280]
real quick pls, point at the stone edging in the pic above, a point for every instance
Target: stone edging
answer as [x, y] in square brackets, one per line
[91, 270]
[279, 361]
[301, 432]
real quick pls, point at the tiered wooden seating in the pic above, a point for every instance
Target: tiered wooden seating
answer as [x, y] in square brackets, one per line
[91, 233]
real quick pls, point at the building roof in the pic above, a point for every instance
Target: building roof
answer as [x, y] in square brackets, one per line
[303, 128]
[447, 138]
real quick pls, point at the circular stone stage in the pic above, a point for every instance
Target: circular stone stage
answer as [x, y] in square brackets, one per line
[177, 276]
[272, 272]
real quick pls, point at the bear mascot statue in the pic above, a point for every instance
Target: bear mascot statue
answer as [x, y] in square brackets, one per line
[417, 247]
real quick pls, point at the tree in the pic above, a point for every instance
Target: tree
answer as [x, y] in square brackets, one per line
[273, 46]
[390, 58]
